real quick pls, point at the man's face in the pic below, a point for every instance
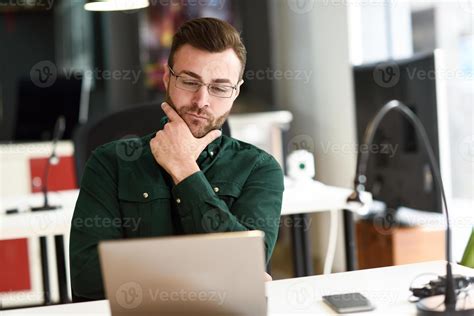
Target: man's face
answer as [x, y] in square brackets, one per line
[202, 111]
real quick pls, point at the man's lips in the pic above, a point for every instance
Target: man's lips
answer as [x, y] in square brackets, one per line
[197, 116]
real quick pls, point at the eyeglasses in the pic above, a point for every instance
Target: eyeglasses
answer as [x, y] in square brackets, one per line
[193, 85]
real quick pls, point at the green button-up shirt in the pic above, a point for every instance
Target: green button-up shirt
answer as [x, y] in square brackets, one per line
[125, 193]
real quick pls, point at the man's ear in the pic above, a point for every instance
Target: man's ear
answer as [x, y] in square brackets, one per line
[166, 75]
[237, 92]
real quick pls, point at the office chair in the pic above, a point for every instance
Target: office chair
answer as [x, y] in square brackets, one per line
[138, 120]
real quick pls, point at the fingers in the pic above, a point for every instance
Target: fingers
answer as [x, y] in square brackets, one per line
[267, 277]
[209, 137]
[170, 113]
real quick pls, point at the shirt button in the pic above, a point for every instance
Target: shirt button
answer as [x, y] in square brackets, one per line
[216, 189]
[178, 200]
[145, 195]
[211, 153]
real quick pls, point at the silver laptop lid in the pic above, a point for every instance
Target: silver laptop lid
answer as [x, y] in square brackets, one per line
[206, 274]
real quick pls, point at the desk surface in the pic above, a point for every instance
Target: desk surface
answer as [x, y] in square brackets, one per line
[307, 198]
[387, 288]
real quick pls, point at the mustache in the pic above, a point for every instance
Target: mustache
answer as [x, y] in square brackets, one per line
[195, 111]
[191, 109]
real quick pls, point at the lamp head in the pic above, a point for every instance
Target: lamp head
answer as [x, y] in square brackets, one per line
[354, 201]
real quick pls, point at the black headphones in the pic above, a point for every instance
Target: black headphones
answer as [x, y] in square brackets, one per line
[437, 287]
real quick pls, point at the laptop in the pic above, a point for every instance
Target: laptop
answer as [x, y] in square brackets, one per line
[205, 274]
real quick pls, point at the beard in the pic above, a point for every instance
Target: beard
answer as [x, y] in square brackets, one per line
[199, 128]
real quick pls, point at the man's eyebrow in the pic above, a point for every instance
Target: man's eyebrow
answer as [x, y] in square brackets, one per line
[195, 75]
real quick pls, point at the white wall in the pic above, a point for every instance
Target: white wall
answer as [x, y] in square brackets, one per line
[379, 30]
[312, 36]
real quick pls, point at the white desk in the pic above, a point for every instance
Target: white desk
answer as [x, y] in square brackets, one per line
[14, 163]
[387, 288]
[310, 198]
[26, 224]
[297, 199]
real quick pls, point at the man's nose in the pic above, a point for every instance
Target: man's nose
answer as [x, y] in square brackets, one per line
[201, 97]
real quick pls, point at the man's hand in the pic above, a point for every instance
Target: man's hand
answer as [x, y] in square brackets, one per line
[176, 149]
[267, 277]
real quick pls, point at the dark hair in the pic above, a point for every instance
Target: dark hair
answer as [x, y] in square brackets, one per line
[209, 34]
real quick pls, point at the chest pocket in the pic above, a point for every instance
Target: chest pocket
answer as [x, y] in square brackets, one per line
[147, 210]
[227, 191]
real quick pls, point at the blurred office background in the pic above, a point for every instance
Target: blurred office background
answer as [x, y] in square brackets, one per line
[303, 58]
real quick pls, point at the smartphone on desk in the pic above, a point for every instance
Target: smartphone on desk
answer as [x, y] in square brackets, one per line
[348, 303]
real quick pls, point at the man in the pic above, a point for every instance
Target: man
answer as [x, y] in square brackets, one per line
[189, 178]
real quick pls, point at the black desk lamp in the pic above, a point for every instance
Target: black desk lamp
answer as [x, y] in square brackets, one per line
[53, 159]
[448, 303]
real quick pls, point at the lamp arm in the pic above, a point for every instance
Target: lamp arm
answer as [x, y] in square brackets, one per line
[369, 135]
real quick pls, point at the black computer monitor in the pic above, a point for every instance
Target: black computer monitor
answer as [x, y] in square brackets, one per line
[38, 108]
[400, 175]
